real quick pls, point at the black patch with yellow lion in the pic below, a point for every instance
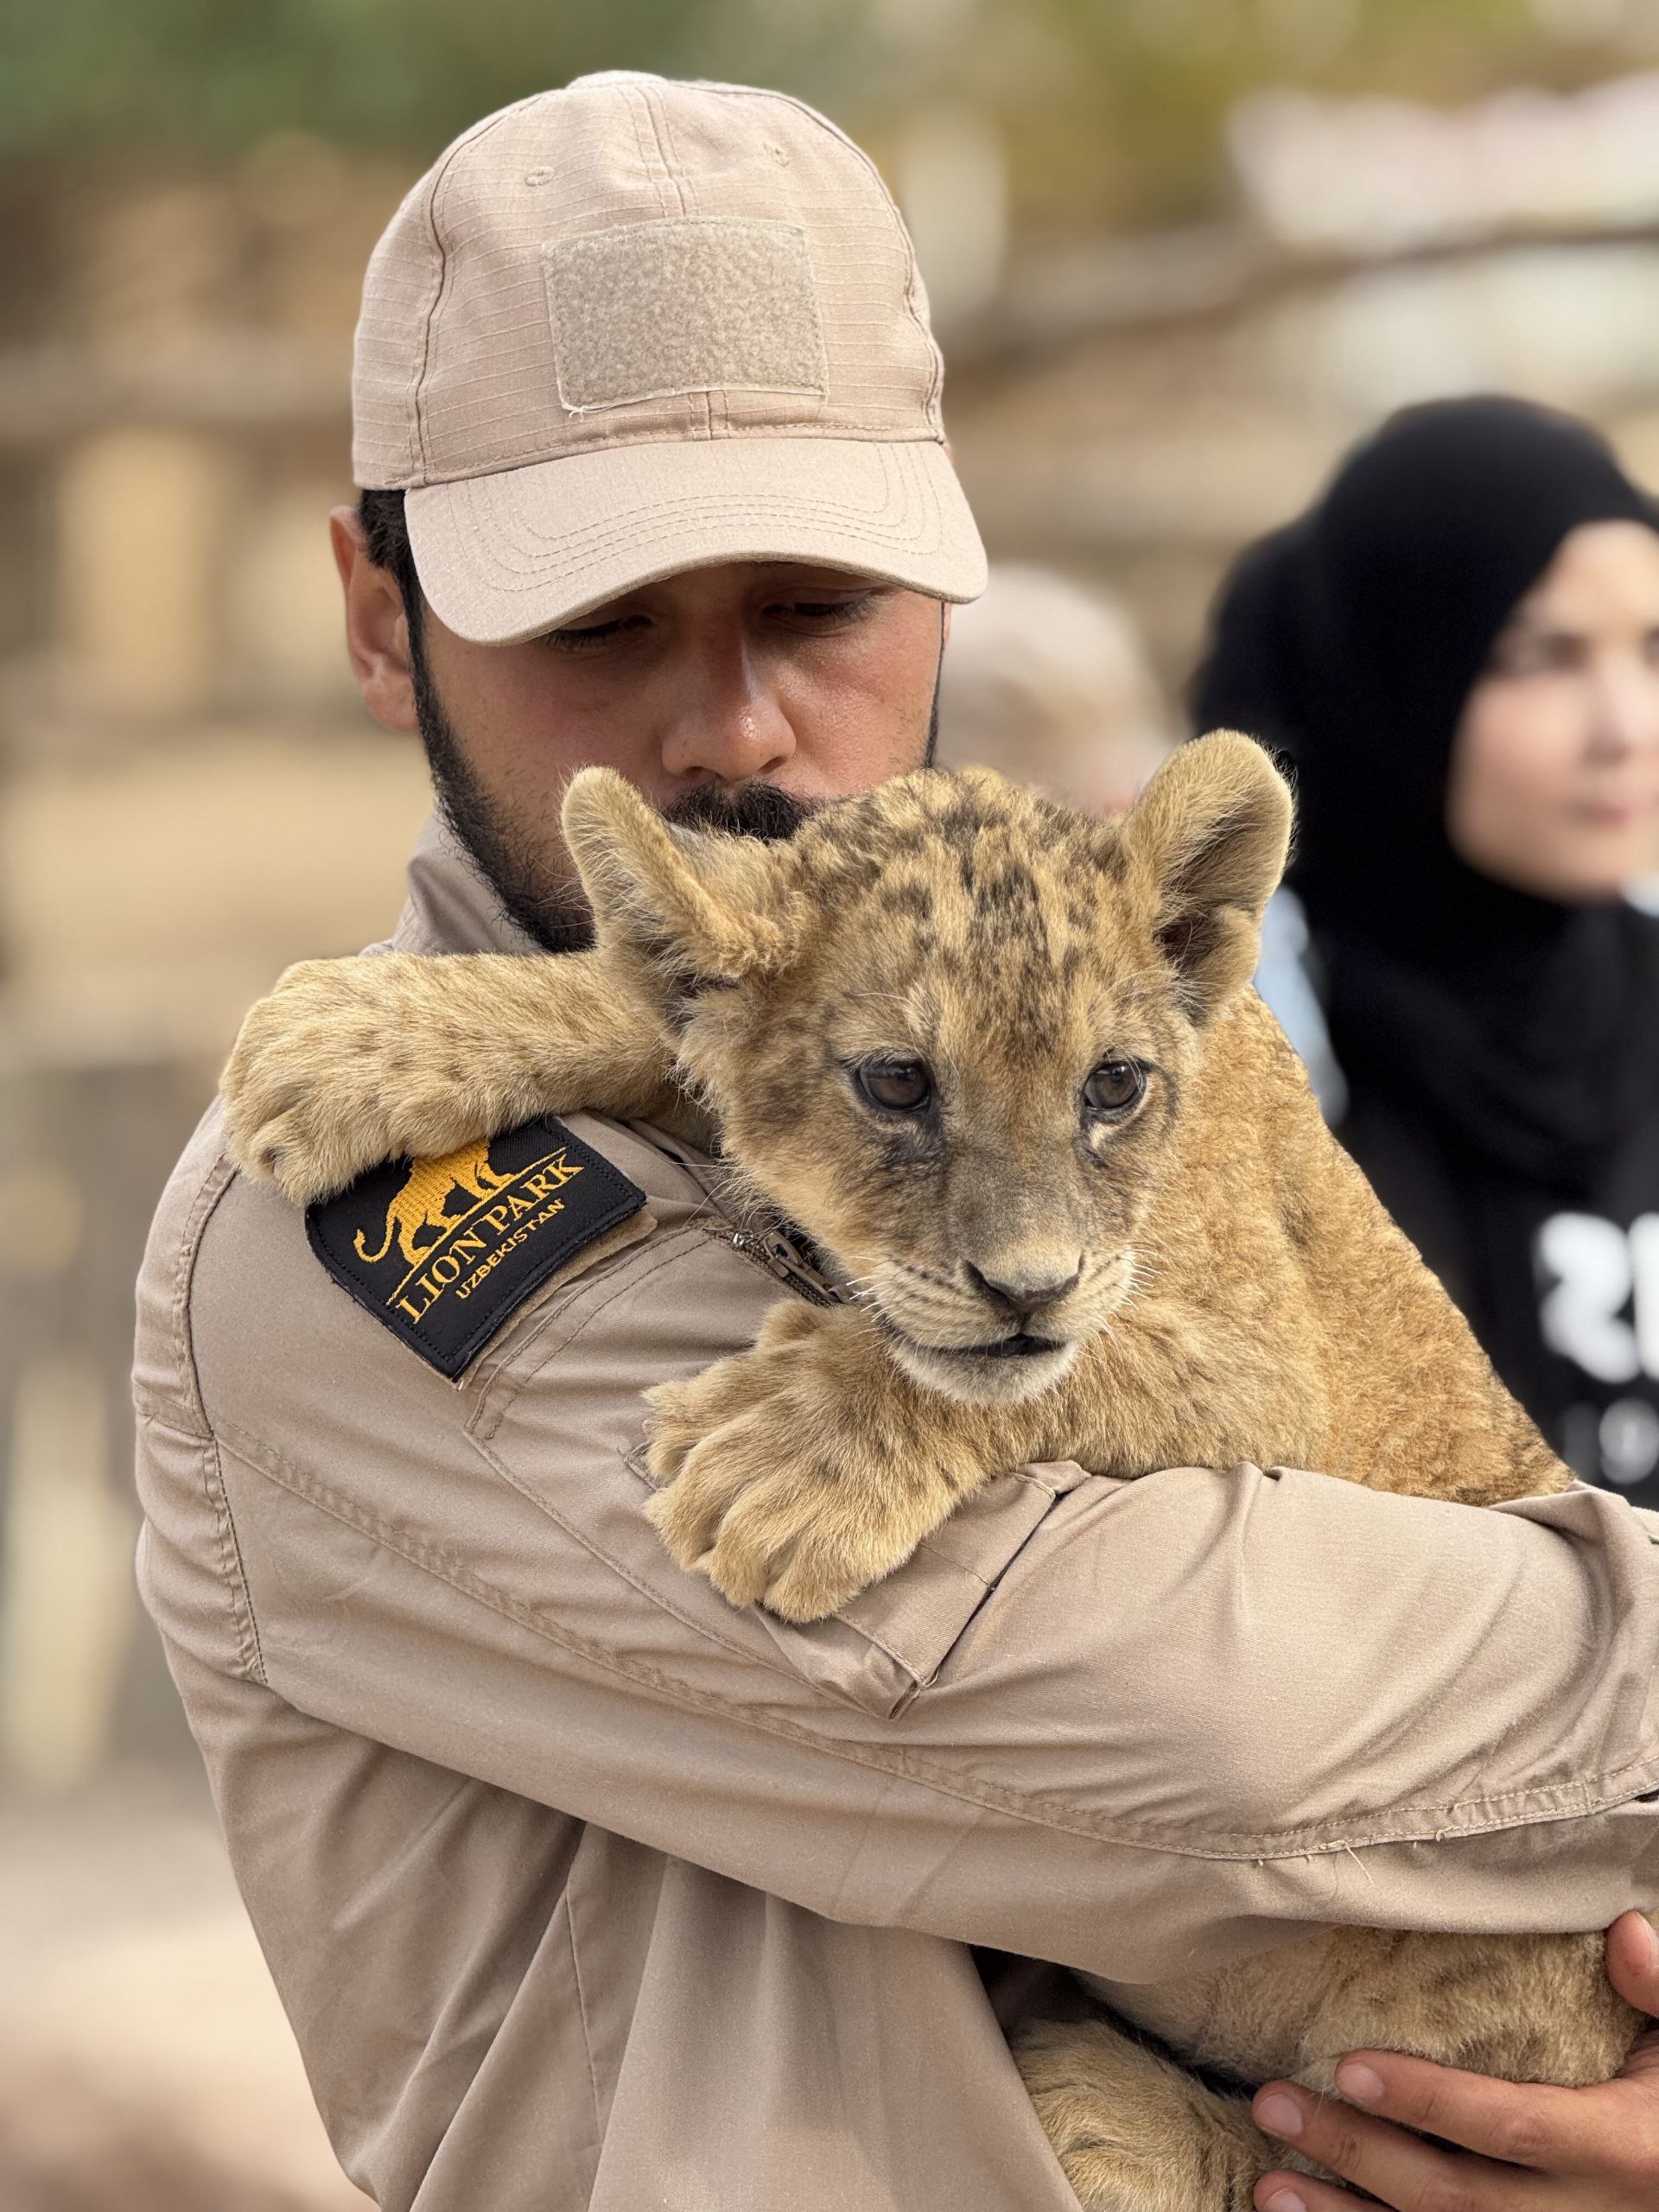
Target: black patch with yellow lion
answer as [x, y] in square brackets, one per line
[441, 1251]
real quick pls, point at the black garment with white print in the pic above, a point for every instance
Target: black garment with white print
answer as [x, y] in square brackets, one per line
[1561, 1287]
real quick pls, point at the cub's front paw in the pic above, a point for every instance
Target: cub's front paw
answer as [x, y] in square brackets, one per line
[800, 1472]
[328, 1077]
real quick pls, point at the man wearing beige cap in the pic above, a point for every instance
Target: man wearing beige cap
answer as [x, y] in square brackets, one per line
[582, 1888]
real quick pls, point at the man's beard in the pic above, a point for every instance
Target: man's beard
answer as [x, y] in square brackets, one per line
[553, 910]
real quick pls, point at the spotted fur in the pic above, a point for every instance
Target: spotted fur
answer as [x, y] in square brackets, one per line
[1204, 1279]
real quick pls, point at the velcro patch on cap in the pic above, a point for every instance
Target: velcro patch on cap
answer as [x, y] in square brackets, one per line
[442, 1251]
[695, 303]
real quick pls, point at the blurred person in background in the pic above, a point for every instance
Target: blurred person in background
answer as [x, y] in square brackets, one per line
[1457, 650]
[1049, 684]
[583, 1888]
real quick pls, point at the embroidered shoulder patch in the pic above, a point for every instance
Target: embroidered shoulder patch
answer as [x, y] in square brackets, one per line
[442, 1251]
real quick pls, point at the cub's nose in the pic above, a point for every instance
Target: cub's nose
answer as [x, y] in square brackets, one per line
[1023, 1296]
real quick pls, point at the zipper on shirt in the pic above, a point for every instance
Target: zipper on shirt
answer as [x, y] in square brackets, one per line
[779, 1258]
[765, 1248]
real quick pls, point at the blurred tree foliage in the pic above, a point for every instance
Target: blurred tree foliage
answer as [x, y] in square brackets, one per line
[1112, 109]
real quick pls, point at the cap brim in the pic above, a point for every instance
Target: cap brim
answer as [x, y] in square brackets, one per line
[505, 557]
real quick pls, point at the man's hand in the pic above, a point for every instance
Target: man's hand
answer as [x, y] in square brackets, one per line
[1523, 2149]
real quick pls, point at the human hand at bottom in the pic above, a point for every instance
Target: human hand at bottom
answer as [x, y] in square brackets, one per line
[1523, 2149]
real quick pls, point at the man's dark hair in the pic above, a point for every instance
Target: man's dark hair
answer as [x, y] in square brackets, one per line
[386, 527]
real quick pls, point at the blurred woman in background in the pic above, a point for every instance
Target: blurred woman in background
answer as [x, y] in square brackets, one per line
[1048, 682]
[1457, 651]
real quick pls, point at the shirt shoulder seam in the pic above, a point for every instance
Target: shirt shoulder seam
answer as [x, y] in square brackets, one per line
[187, 1398]
[232, 1574]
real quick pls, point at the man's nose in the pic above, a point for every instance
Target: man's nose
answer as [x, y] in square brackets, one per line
[729, 723]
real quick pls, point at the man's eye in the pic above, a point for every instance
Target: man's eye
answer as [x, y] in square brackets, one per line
[825, 613]
[584, 637]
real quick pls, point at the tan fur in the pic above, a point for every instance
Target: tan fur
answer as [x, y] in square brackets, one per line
[1214, 1276]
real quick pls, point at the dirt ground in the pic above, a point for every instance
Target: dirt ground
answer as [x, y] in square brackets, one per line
[145, 2063]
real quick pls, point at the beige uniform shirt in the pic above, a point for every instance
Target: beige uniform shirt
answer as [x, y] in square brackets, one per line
[583, 1889]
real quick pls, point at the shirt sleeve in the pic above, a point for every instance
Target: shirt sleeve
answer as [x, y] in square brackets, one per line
[1114, 1724]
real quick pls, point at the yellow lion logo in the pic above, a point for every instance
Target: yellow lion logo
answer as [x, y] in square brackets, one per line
[422, 1203]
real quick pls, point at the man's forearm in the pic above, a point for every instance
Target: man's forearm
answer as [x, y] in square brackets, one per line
[1109, 1768]
[1103, 1722]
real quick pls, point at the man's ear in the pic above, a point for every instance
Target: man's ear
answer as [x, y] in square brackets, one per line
[699, 905]
[376, 625]
[1206, 842]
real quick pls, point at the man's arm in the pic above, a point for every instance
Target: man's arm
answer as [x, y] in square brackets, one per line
[1109, 1724]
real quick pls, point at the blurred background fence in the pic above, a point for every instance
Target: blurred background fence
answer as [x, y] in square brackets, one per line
[1181, 251]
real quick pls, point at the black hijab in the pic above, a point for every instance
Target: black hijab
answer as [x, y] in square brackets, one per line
[1526, 1030]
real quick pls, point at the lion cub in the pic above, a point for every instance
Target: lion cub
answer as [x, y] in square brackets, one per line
[1002, 1065]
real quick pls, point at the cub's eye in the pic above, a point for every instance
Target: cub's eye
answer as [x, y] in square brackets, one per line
[896, 1086]
[1114, 1087]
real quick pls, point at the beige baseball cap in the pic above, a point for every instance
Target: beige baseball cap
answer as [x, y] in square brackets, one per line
[637, 326]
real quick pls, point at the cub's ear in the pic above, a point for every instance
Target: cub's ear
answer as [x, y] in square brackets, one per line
[698, 905]
[1207, 840]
